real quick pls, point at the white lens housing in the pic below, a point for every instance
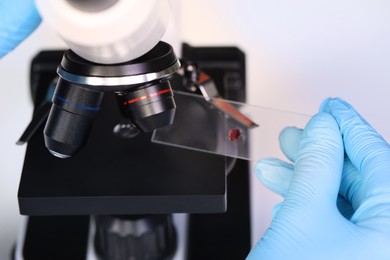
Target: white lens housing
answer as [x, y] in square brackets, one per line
[121, 32]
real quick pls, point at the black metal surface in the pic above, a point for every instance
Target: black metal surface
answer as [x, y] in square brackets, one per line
[113, 175]
[157, 59]
[225, 65]
[39, 118]
[225, 235]
[60, 238]
[210, 236]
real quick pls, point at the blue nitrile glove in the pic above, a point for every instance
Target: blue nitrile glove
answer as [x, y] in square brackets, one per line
[18, 19]
[336, 206]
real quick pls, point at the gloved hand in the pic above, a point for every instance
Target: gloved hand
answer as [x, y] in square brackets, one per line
[18, 19]
[337, 206]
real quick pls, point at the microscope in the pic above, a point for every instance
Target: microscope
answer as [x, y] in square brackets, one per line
[94, 185]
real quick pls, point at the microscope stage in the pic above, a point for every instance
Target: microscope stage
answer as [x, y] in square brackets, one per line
[113, 175]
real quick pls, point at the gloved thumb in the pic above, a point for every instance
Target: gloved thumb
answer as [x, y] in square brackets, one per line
[318, 165]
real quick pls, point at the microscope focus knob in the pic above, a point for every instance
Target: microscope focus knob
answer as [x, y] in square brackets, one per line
[135, 237]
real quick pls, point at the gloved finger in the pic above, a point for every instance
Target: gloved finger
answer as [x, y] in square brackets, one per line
[318, 167]
[351, 179]
[345, 207]
[350, 187]
[367, 150]
[289, 140]
[350, 182]
[275, 174]
[18, 19]
[276, 209]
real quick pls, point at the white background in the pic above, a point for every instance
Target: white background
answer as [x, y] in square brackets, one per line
[298, 53]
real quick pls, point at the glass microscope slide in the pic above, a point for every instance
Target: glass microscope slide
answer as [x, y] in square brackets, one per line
[228, 128]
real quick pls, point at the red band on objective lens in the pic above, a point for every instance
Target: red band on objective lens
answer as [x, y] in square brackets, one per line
[128, 102]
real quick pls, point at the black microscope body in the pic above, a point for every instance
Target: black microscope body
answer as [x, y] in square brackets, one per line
[116, 181]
